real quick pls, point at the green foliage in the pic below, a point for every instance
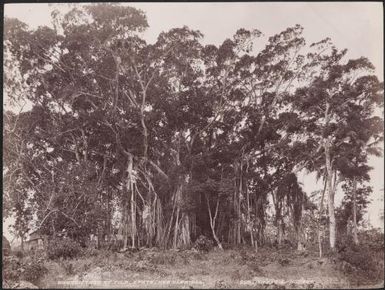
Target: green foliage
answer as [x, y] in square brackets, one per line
[62, 248]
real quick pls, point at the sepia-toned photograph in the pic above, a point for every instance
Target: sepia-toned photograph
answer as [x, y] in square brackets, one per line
[203, 145]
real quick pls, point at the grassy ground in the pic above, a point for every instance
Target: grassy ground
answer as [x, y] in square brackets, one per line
[270, 268]
[152, 268]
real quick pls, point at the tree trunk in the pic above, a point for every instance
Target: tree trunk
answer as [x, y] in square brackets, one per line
[131, 190]
[355, 236]
[213, 221]
[100, 236]
[133, 219]
[239, 207]
[280, 232]
[185, 230]
[278, 215]
[124, 227]
[176, 226]
[178, 196]
[298, 233]
[300, 246]
[216, 238]
[109, 217]
[258, 222]
[166, 236]
[319, 221]
[330, 189]
[159, 223]
[249, 222]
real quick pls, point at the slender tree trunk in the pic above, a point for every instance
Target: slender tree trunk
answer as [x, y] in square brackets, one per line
[100, 236]
[176, 228]
[234, 223]
[299, 242]
[125, 225]
[125, 228]
[355, 236]
[216, 239]
[319, 221]
[278, 215]
[131, 191]
[258, 223]
[213, 221]
[159, 223]
[280, 231]
[144, 87]
[249, 222]
[133, 219]
[168, 226]
[238, 206]
[177, 202]
[185, 237]
[108, 217]
[330, 189]
[329, 183]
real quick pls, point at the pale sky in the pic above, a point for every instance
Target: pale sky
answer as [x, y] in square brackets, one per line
[357, 26]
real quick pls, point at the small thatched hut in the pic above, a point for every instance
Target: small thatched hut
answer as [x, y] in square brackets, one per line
[6, 247]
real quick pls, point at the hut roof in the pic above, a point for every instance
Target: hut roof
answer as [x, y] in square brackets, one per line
[6, 244]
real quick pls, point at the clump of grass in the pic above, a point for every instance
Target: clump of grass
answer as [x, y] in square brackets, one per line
[68, 268]
[163, 259]
[235, 275]
[200, 256]
[63, 248]
[34, 271]
[221, 284]
[255, 267]
[90, 252]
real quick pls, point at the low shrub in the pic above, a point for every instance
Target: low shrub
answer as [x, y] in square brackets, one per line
[18, 253]
[163, 259]
[373, 239]
[115, 245]
[30, 269]
[11, 269]
[203, 243]
[236, 276]
[34, 271]
[227, 246]
[255, 267]
[68, 268]
[63, 248]
[362, 258]
[89, 252]
[200, 256]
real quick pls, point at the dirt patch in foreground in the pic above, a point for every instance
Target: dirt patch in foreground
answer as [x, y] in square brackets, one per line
[153, 268]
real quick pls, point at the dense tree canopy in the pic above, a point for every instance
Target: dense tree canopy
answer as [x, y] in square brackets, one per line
[159, 143]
